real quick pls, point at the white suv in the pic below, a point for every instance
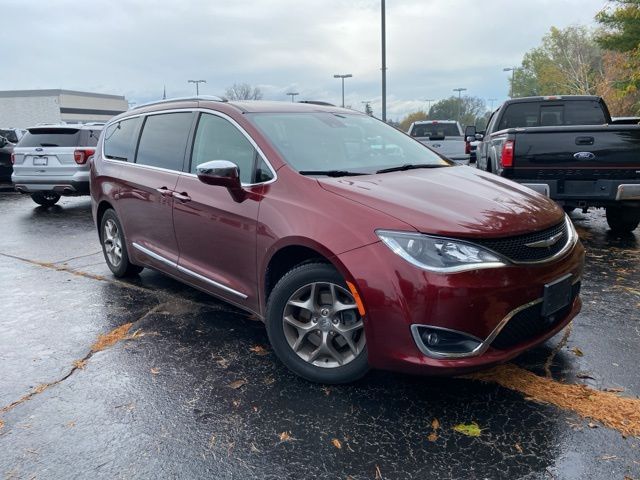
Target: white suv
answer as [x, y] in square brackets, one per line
[53, 160]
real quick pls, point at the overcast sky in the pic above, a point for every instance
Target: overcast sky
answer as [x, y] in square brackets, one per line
[135, 47]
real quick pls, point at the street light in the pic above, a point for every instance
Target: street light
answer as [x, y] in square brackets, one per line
[197, 82]
[346, 75]
[513, 73]
[293, 94]
[459, 90]
[491, 102]
[429, 100]
[383, 30]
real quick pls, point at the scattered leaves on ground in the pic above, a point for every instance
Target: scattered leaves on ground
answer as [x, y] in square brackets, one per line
[111, 338]
[285, 436]
[435, 424]
[80, 364]
[336, 443]
[518, 447]
[433, 436]
[613, 389]
[238, 384]
[577, 352]
[259, 350]
[469, 429]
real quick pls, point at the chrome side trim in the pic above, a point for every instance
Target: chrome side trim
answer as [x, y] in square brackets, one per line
[480, 349]
[154, 255]
[211, 282]
[628, 191]
[169, 263]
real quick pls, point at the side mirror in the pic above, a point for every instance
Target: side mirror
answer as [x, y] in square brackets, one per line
[479, 136]
[470, 131]
[224, 174]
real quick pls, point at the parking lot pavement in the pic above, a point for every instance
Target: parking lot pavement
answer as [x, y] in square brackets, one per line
[149, 378]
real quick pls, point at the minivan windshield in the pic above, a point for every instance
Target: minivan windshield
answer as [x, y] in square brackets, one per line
[342, 143]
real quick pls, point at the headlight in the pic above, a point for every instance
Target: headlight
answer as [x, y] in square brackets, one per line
[439, 254]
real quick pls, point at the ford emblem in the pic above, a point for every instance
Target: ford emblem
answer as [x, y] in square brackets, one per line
[436, 145]
[584, 156]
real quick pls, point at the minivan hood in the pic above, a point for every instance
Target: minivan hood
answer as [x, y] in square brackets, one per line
[451, 201]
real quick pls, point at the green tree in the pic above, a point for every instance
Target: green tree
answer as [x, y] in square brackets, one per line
[620, 26]
[466, 109]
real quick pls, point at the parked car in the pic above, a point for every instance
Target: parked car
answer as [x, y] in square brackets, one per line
[53, 160]
[567, 148]
[445, 137]
[354, 255]
[8, 139]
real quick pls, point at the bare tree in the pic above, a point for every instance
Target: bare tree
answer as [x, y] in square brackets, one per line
[243, 91]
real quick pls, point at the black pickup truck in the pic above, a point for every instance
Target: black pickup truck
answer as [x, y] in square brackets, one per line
[568, 148]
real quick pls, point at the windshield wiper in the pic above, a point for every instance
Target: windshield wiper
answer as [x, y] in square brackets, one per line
[409, 166]
[331, 173]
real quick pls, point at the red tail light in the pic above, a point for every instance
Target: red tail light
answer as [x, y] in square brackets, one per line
[506, 160]
[467, 148]
[13, 159]
[82, 155]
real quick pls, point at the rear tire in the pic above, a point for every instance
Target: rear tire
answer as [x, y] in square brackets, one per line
[314, 326]
[46, 199]
[623, 219]
[114, 246]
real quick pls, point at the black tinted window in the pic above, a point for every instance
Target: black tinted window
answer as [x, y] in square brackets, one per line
[218, 139]
[164, 139]
[436, 130]
[263, 174]
[120, 139]
[9, 135]
[577, 112]
[51, 137]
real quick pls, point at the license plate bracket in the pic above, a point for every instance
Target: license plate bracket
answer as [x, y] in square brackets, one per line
[40, 161]
[557, 295]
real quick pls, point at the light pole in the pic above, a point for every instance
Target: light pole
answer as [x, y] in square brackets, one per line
[429, 100]
[346, 75]
[491, 102]
[513, 74]
[459, 90]
[384, 60]
[293, 94]
[197, 82]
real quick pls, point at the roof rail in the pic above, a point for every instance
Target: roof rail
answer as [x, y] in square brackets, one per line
[317, 102]
[209, 98]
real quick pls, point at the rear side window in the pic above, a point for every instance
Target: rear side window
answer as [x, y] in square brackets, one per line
[217, 139]
[578, 112]
[164, 140]
[89, 138]
[436, 130]
[51, 137]
[120, 139]
[9, 135]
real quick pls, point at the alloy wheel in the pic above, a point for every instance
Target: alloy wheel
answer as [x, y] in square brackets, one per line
[322, 325]
[112, 243]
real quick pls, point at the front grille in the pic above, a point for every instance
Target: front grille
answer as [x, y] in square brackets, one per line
[516, 249]
[529, 324]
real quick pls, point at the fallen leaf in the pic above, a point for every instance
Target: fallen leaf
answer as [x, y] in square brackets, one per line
[236, 403]
[518, 447]
[608, 457]
[435, 424]
[584, 375]
[378, 473]
[469, 429]
[285, 436]
[577, 352]
[269, 380]
[238, 384]
[613, 389]
[80, 364]
[71, 424]
[592, 425]
[259, 350]
[155, 371]
[433, 436]
[336, 443]
[255, 409]
[326, 390]
[1, 424]
[255, 449]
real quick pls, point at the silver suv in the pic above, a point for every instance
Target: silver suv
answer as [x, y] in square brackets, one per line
[53, 160]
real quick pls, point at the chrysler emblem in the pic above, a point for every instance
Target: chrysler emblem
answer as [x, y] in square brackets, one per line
[547, 242]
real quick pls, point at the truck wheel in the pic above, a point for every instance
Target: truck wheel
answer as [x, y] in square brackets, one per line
[46, 199]
[623, 219]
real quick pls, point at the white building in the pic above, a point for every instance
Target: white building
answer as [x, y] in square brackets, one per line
[27, 108]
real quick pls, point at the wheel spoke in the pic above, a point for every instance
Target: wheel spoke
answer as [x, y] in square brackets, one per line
[349, 329]
[308, 304]
[347, 338]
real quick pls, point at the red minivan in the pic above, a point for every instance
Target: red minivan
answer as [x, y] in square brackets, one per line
[357, 245]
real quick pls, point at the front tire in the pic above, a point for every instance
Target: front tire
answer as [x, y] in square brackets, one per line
[114, 246]
[314, 326]
[46, 199]
[623, 219]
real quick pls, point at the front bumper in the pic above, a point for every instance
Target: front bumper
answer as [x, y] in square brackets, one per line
[480, 303]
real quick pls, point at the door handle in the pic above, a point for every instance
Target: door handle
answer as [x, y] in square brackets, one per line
[164, 191]
[585, 140]
[183, 197]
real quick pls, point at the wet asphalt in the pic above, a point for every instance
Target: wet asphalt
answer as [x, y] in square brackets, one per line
[197, 393]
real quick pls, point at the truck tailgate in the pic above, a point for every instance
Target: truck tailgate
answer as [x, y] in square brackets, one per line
[582, 152]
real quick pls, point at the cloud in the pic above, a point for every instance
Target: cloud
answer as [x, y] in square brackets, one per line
[135, 47]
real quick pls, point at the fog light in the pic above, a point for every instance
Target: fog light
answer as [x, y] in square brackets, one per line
[431, 338]
[443, 342]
